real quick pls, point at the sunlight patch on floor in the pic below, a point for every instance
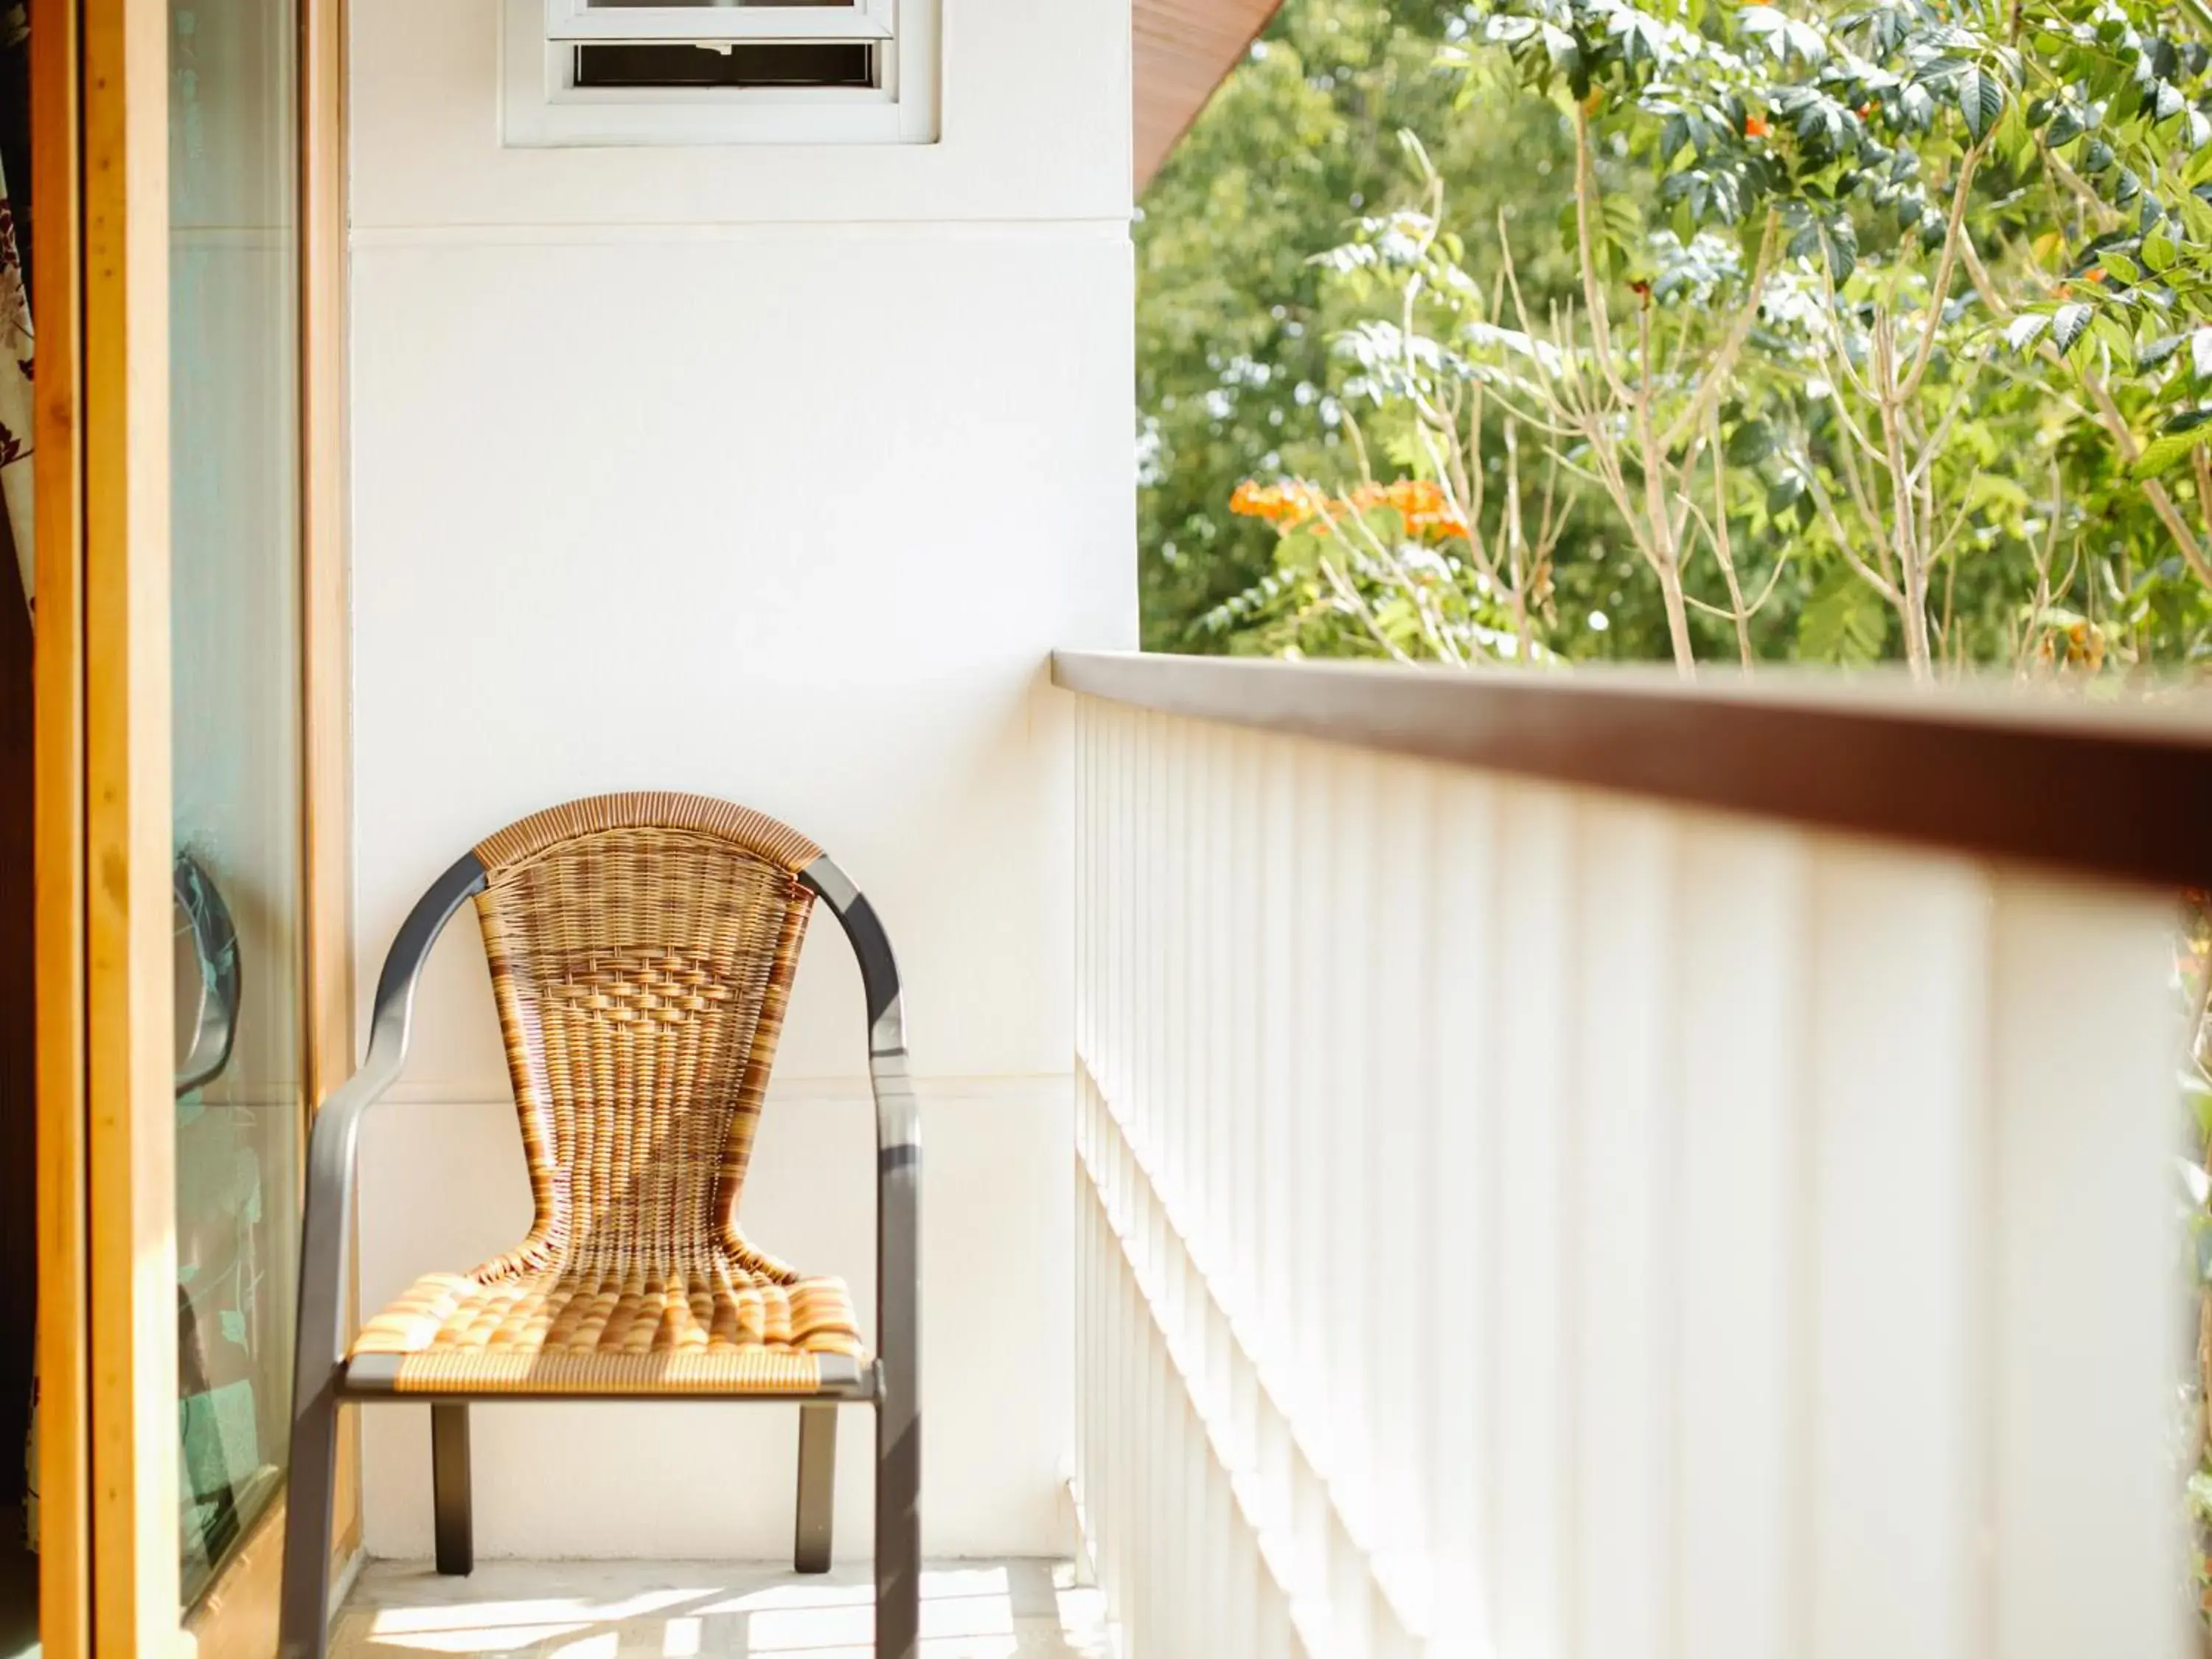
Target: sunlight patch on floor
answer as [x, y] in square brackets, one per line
[618, 1609]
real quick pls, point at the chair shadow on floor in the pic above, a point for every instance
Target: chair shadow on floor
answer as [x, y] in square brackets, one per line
[1027, 1609]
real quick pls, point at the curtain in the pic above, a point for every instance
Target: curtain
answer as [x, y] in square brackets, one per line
[16, 404]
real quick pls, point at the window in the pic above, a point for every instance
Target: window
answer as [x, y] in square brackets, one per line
[601, 72]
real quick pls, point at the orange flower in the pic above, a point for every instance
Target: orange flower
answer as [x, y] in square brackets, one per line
[1754, 127]
[1417, 498]
[1418, 502]
[1426, 509]
[1286, 505]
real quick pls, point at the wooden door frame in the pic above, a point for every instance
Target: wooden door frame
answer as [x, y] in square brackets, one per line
[108, 1482]
[109, 1573]
[130, 1065]
[64, 1449]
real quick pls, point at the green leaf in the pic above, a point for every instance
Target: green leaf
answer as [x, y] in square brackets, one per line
[2197, 217]
[2022, 331]
[2182, 434]
[1750, 443]
[2066, 326]
[1845, 622]
[2152, 353]
[2200, 353]
[1995, 489]
[1980, 97]
[2200, 1103]
[2112, 335]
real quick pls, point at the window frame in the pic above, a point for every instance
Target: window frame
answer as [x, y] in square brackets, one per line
[582, 22]
[542, 106]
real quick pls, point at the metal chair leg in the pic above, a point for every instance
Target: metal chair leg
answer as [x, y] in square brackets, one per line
[449, 1488]
[817, 1488]
[303, 1615]
[898, 1527]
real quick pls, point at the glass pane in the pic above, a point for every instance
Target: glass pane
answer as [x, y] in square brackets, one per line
[235, 645]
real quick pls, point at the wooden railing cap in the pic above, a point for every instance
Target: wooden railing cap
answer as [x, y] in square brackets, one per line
[2047, 775]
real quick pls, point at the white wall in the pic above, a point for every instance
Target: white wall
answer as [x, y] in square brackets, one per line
[774, 474]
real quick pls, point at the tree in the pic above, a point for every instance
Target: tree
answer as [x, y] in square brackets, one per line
[1900, 306]
[1239, 366]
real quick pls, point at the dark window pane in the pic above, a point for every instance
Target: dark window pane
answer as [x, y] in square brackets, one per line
[748, 63]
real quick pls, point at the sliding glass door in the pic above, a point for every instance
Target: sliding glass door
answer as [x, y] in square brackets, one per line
[189, 702]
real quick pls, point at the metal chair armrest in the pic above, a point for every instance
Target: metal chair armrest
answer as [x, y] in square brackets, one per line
[327, 1211]
[326, 1220]
[898, 1142]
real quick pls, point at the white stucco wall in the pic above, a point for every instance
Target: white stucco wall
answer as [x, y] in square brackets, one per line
[774, 474]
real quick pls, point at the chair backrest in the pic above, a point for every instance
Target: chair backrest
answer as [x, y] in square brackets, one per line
[642, 948]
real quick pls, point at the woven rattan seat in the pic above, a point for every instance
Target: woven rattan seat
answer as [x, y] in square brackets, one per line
[615, 1330]
[641, 949]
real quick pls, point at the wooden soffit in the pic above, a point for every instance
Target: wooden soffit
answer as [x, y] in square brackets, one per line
[1183, 49]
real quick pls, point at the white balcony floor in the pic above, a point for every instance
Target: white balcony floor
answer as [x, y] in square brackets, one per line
[717, 1610]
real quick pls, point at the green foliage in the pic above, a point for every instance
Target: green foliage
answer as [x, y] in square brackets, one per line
[1237, 326]
[1974, 248]
[1842, 621]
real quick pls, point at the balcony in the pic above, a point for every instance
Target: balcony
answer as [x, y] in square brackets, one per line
[1517, 1164]
[1561, 1166]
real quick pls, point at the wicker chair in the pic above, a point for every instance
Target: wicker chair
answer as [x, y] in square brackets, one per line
[641, 949]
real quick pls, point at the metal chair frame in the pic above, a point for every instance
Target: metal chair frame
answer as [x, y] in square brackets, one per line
[890, 1380]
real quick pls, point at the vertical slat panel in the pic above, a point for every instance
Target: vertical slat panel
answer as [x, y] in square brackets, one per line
[2085, 1561]
[1533, 1312]
[1900, 1144]
[1400, 1330]
[1742, 965]
[1279, 832]
[1510, 1221]
[1351, 1121]
[1248, 1138]
[1464, 1018]
[1623, 1175]
[1310, 1137]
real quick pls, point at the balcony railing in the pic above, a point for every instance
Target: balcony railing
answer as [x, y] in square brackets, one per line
[1587, 1166]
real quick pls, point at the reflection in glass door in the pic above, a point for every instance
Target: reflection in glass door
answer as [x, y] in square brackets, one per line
[237, 755]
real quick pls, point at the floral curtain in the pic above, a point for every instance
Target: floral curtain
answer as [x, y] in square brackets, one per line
[15, 514]
[15, 407]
